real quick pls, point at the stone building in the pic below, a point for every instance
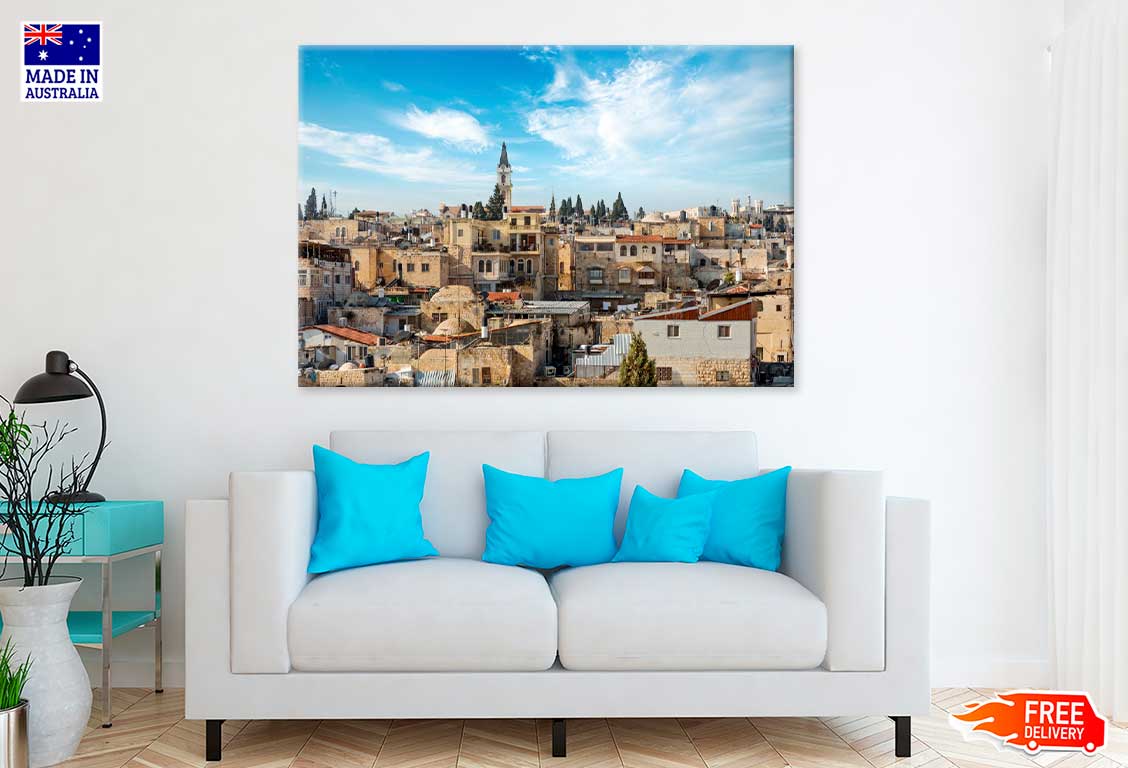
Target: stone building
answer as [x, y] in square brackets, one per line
[696, 347]
[325, 279]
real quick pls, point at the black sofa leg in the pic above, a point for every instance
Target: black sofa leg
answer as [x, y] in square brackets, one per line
[559, 738]
[903, 735]
[213, 745]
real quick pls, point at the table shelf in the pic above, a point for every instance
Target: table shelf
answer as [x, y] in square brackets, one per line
[85, 627]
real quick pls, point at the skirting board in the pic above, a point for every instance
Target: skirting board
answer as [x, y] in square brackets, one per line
[987, 672]
[133, 673]
[962, 672]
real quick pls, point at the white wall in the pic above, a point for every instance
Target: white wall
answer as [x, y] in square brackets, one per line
[152, 237]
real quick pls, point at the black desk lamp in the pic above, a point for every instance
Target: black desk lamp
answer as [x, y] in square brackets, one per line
[55, 385]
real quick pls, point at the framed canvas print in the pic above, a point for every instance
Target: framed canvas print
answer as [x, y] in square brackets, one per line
[545, 216]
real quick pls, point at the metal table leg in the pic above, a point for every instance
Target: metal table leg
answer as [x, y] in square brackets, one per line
[107, 642]
[158, 625]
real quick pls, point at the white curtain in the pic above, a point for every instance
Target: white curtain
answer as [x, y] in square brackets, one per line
[1087, 320]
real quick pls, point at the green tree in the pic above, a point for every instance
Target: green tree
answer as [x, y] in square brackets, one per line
[591, 214]
[324, 213]
[311, 205]
[641, 213]
[601, 210]
[638, 370]
[578, 208]
[566, 209]
[479, 210]
[495, 206]
[353, 213]
[619, 209]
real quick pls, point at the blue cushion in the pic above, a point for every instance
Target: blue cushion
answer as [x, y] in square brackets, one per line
[748, 517]
[665, 530]
[544, 524]
[367, 513]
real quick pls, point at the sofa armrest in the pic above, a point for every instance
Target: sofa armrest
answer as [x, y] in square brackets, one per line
[273, 519]
[834, 545]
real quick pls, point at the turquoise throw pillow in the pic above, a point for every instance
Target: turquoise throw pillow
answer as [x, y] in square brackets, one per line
[665, 530]
[748, 517]
[367, 513]
[545, 524]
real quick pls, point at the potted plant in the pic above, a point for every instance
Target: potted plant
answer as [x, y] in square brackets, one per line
[38, 513]
[13, 709]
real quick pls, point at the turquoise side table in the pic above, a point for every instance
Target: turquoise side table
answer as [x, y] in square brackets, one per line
[107, 533]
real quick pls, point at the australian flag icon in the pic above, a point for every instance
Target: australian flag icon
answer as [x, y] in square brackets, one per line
[54, 45]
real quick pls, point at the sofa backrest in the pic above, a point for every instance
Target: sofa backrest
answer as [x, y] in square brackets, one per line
[454, 503]
[654, 460]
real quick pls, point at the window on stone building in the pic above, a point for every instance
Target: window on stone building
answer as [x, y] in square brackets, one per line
[551, 242]
[411, 267]
[481, 265]
[496, 234]
[622, 250]
[529, 266]
[460, 231]
[724, 376]
[303, 279]
[634, 250]
[781, 358]
[673, 331]
[520, 266]
[489, 265]
[624, 275]
[595, 273]
[487, 377]
[724, 331]
[779, 307]
[425, 267]
[759, 353]
[562, 267]
[328, 281]
[528, 220]
[665, 373]
[513, 222]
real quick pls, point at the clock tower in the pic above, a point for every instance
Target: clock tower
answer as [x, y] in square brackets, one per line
[505, 180]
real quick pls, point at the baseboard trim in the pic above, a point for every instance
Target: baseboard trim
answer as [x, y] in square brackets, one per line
[129, 673]
[988, 672]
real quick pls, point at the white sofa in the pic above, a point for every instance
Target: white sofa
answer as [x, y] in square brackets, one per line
[842, 629]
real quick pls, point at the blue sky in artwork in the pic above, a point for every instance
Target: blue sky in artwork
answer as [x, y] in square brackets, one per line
[396, 128]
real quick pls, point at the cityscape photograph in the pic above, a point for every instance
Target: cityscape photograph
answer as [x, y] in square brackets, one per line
[545, 216]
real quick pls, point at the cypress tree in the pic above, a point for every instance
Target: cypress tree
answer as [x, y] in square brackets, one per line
[638, 370]
[495, 205]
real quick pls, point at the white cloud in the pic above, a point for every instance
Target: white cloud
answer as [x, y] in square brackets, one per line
[654, 114]
[378, 154]
[393, 86]
[460, 129]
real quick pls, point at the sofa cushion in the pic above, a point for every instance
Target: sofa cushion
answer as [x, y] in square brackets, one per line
[438, 615]
[686, 616]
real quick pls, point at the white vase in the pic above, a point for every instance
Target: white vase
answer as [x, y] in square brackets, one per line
[58, 689]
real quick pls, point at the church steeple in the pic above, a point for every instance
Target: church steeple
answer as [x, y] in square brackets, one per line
[505, 179]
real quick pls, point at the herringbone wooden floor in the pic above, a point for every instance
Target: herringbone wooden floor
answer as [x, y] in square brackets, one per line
[150, 731]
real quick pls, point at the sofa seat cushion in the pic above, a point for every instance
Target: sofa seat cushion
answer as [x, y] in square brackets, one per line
[438, 615]
[686, 616]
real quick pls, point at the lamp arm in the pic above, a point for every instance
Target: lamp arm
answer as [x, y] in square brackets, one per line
[102, 410]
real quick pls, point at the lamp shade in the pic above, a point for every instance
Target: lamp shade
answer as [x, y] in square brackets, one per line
[55, 384]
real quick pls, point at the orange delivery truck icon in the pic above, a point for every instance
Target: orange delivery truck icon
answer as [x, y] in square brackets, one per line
[1037, 720]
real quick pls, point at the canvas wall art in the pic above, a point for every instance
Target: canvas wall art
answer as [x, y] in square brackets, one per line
[545, 216]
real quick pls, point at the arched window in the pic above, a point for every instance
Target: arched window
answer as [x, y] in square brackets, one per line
[634, 250]
[654, 250]
[529, 266]
[489, 265]
[512, 266]
[481, 265]
[356, 265]
[520, 266]
[622, 250]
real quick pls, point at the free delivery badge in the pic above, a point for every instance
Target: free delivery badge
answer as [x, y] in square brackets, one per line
[1035, 720]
